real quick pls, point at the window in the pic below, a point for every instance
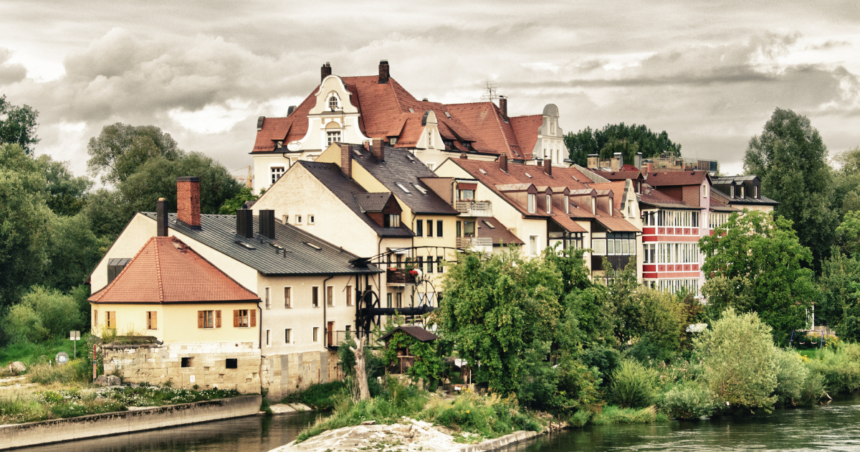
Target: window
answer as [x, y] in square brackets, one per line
[705, 190]
[566, 204]
[288, 336]
[95, 318]
[268, 337]
[388, 300]
[467, 195]
[349, 295]
[311, 219]
[288, 297]
[458, 232]
[650, 253]
[430, 264]
[298, 219]
[315, 293]
[548, 204]
[402, 187]
[419, 228]
[429, 228]
[742, 191]
[316, 334]
[151, 320]
[111, 319]
[438, 264]
[431, 165]
[419, 263]
[732, 189]
[187, 362]
[286, 219]
[329, 295]
[551, 127]
[755, 191]
[232, 363]
[438, 228]
[332, 137]
[533, 245]
[391, 221]
[468, 228]
[277, 172]
[393, 141]
[399, 299]
[531, 203]
[268, 298]
[430, 139]
[244, 318]
[333, 104]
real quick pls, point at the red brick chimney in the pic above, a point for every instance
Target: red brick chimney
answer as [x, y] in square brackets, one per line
[377, 150]
[346, 160]
[325, 71]
[383, 72]
[547, 166]
[188, 200]
[503, 162]
[503, 105]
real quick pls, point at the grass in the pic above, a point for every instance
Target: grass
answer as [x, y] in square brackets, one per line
[321, 396]
[29, 353]
[74, 371]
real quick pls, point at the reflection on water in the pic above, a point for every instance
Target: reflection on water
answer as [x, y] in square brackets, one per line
[834, 427]
[247, 434]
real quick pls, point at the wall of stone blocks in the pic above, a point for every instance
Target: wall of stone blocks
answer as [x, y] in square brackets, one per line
[284, 374]
[207, 367]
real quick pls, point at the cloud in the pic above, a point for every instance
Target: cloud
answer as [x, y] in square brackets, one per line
[10, 72]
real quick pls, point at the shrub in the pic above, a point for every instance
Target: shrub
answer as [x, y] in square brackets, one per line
[791, 375]
[321, 396]
[605, 359]
[840, 368]
[42, 314]
[615, 415]
[688, 400]
[633, 385]
[76, 370]
[740, 361]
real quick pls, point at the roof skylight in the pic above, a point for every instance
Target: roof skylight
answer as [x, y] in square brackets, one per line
[528, 175]
[489, 225]
[402, 187]
[246, 245]
[316, 247]
[448, 115]
[420, 188]
[482, 171]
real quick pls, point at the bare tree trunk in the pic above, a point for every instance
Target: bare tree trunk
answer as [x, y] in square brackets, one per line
[360, 373]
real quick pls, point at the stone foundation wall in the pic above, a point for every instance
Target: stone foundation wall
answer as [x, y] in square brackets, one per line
[288, 373]
[206, 365]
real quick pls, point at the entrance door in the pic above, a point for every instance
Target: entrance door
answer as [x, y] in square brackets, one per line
[331, 334]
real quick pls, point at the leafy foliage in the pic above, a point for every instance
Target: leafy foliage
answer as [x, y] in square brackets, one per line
[42, 314]
[235, 203]
[121, 149]
[839, 286]
[633, 385]
[619, 138]
[848, 234]
[428, 365]
[20, 125]
[688, 400]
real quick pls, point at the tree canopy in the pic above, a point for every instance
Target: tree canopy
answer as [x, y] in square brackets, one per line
[20, 125]
[619, 138]
[791, 160]
[121, 149]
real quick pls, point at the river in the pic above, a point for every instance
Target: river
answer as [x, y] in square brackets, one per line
[835, 427]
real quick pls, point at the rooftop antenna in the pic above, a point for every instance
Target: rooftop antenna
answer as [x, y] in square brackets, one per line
[491, 93]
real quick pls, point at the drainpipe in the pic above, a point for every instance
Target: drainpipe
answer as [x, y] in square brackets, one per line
[325, 303]
[260, 329]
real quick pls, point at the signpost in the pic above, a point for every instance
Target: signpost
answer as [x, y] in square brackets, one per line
[75, 336]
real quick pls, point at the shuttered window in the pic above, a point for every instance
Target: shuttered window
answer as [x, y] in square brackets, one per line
[288, 297]
[217, 319]
[151, 320]
[243, 318]
[111, 319]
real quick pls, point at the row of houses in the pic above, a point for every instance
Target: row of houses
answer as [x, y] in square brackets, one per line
[369, 192]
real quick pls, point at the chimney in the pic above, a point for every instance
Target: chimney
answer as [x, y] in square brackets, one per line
[648, 169]
[464, 156]
[378, 150]
[325, 71]
[188, 200]
[637, 160]
[503, 105]
[267, 223]
[260, 122]
[161, 217]
[346, 160]
[593, 161]
[383, 72]
[245, 223]
[503, 162]
[617, 161]
[547, 167]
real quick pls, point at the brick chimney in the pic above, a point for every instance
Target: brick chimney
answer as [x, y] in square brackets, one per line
[503, 105]
[161, 217]
[593, 160]
[378, 150]
[383, 72]
[503, 162]
[346, 160]
[188, 200]
[325, 71]
[547, 166]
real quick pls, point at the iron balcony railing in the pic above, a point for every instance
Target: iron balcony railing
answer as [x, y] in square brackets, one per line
[474, 208]
[399, 276]
[474, 242]
[334, 339]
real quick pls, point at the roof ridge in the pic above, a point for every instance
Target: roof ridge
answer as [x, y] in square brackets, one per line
[504, 135]
[158, 272]
[101, 293]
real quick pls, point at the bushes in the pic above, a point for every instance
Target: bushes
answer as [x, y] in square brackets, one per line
[321, 396]
[791, 376]
[688, 400]
[839, 368]
[615, 415]
[490, 417]
[77, 370]
[633, 385]
[605, 359]
[42, 314]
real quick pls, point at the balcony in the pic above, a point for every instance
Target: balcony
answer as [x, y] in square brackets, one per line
[617, 262]
[399, 277]
[479, 243]
[335, 338]
[474, 208]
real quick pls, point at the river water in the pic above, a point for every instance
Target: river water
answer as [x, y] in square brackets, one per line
[835, 427]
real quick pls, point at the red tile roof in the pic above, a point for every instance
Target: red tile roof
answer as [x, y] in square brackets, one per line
[676, 178]
[617, 191]
[618, 175]
[166, 270]
[526, 130]
[656, 198]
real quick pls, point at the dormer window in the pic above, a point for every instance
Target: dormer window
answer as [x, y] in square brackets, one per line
[531, 203]
[732, 191]
[742, 191]
[548, 204]
[393, 141]
[333, 137]
[755, 191]
[705, 190]
[333, 103]
[391, 221]
[566, 204]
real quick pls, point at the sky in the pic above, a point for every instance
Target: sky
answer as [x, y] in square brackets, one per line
[708, 73]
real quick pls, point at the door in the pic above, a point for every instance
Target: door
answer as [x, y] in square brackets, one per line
[331, 334]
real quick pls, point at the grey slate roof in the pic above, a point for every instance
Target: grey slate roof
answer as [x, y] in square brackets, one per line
[400, 166]
[761, 201]
[417, 332]
[346, 190]
[372, 202]
[219, 233]
[727, 180]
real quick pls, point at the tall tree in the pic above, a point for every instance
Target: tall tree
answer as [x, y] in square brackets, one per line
[839, 285]
[846, 181]
[20, 125]
[66, 191]
[619, 138]
[761, 256]
[121, 149]
[790, 158]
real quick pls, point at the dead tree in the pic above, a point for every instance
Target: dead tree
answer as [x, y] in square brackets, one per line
[360, 373]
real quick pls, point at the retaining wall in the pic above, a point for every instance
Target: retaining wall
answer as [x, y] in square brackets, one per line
[58, 430]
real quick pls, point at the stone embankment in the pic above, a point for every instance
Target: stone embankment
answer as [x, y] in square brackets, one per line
[407, 437]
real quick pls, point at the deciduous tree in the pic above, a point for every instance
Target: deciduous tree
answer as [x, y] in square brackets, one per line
[121, 149]
[19, 125]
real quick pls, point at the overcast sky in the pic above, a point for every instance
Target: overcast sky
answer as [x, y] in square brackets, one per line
[709, 73]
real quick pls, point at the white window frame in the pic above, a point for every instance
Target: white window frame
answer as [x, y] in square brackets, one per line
[280, 170]
[532, 200]
[298, 219]
[288, 300]
[534, 245]
[318, 297]
[549, 204]
[333, 99]
[333, 136]
[329, 299]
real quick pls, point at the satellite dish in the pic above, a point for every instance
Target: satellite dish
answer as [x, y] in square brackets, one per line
[294, 146]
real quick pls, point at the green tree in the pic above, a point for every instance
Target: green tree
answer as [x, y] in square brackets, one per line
[67, 191]
[839, 286]
[764, 258]
[790, 158]
[235, 203]
[625, 306]
[497, 310]
[107, 213]
[42, 314]
[121, 149]
[73, 252]
[19, 125]
[619, 138]
[846, 181]
[848, 234]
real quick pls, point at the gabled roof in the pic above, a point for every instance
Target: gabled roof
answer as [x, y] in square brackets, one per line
[493, 228]
[618, 191]
[372, 202]
[330, 175]
[676, 178]
[306, 254]
[526, 131]
[619, 175]
[166, 270]
[728, 180]
[655, 198]
[400, 167]
[568, 224]
[718, 206]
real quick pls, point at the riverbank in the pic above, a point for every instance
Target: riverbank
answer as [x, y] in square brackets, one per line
[122, 422]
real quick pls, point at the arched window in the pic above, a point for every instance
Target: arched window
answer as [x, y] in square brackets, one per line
[333, 103]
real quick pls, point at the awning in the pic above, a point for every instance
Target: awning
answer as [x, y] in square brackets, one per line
[467, 186]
